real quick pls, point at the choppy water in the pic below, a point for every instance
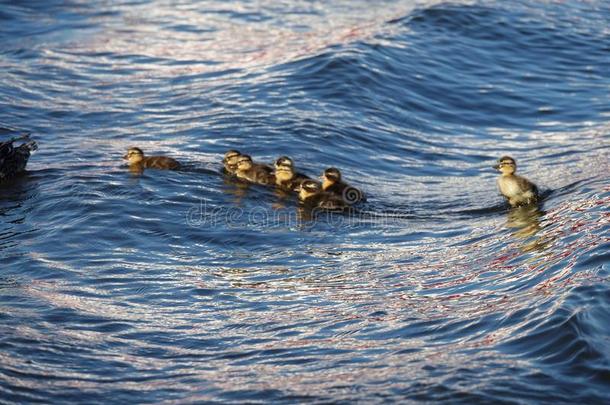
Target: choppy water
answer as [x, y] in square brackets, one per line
[180, 286]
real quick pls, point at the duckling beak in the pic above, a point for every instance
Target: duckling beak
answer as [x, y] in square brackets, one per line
[125, 157]
[497, 167]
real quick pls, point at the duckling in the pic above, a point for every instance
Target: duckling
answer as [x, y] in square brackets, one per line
[285, 176]
[137, 161]
[517, 190]
[332, 183]
[230, 161]
[312, 196]
[254, 172]
[284, 161]
[13, 160]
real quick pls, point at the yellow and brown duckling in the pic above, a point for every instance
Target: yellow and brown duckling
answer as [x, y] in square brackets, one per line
[333, 183]
[286, 178]
[137, 161]
[312, 196]
[13, 160]
[254, 172]
[230, 161]
[517, 190]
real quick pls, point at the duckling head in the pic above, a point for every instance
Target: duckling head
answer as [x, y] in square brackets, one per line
[283, 173]
[134, 156]
[330, 176]
[506, 165]
[231, 157]
[230, 160]
[284, 161]
[308, 189]
[244, 162]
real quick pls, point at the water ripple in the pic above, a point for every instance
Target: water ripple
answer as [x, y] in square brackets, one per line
[185, 286]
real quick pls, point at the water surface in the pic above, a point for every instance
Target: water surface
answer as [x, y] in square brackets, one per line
[184, 287]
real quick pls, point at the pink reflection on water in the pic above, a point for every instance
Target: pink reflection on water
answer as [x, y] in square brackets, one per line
[229, 38]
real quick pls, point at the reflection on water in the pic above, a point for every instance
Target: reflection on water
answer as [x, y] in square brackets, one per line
[524, 221]
[236, 188]
[184, 286]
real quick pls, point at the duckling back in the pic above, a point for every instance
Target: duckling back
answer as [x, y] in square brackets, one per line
[350, 195]
[331, 202]
[160, 162]
[336, 188]
[261, 174]
[322, 200]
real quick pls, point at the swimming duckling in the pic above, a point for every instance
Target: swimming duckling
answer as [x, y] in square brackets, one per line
[230, 161]
[285, 176]
[137, 161]
[312, 196]
[517, 190]
[332, 183]
[254, 172]
[284, 161]
[13, 160]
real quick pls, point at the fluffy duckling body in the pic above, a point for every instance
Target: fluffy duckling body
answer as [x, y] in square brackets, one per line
[312, 196]
[230, 161]
[137, 161]
[333, 183]
[517, 190]
[13, 160]
[286, 178]
[254, 172]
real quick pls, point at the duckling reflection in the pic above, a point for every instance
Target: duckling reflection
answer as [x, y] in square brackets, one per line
[230, 161]
[254, 172]
[333, 183]
[286, 178]
[236, 188]
[517, 190]
[13, 160]
[304, 216]
[138, 162]
[312, 196]
[525, 223]
[525, 220]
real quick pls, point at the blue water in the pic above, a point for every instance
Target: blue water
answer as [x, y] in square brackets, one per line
[185, 287]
